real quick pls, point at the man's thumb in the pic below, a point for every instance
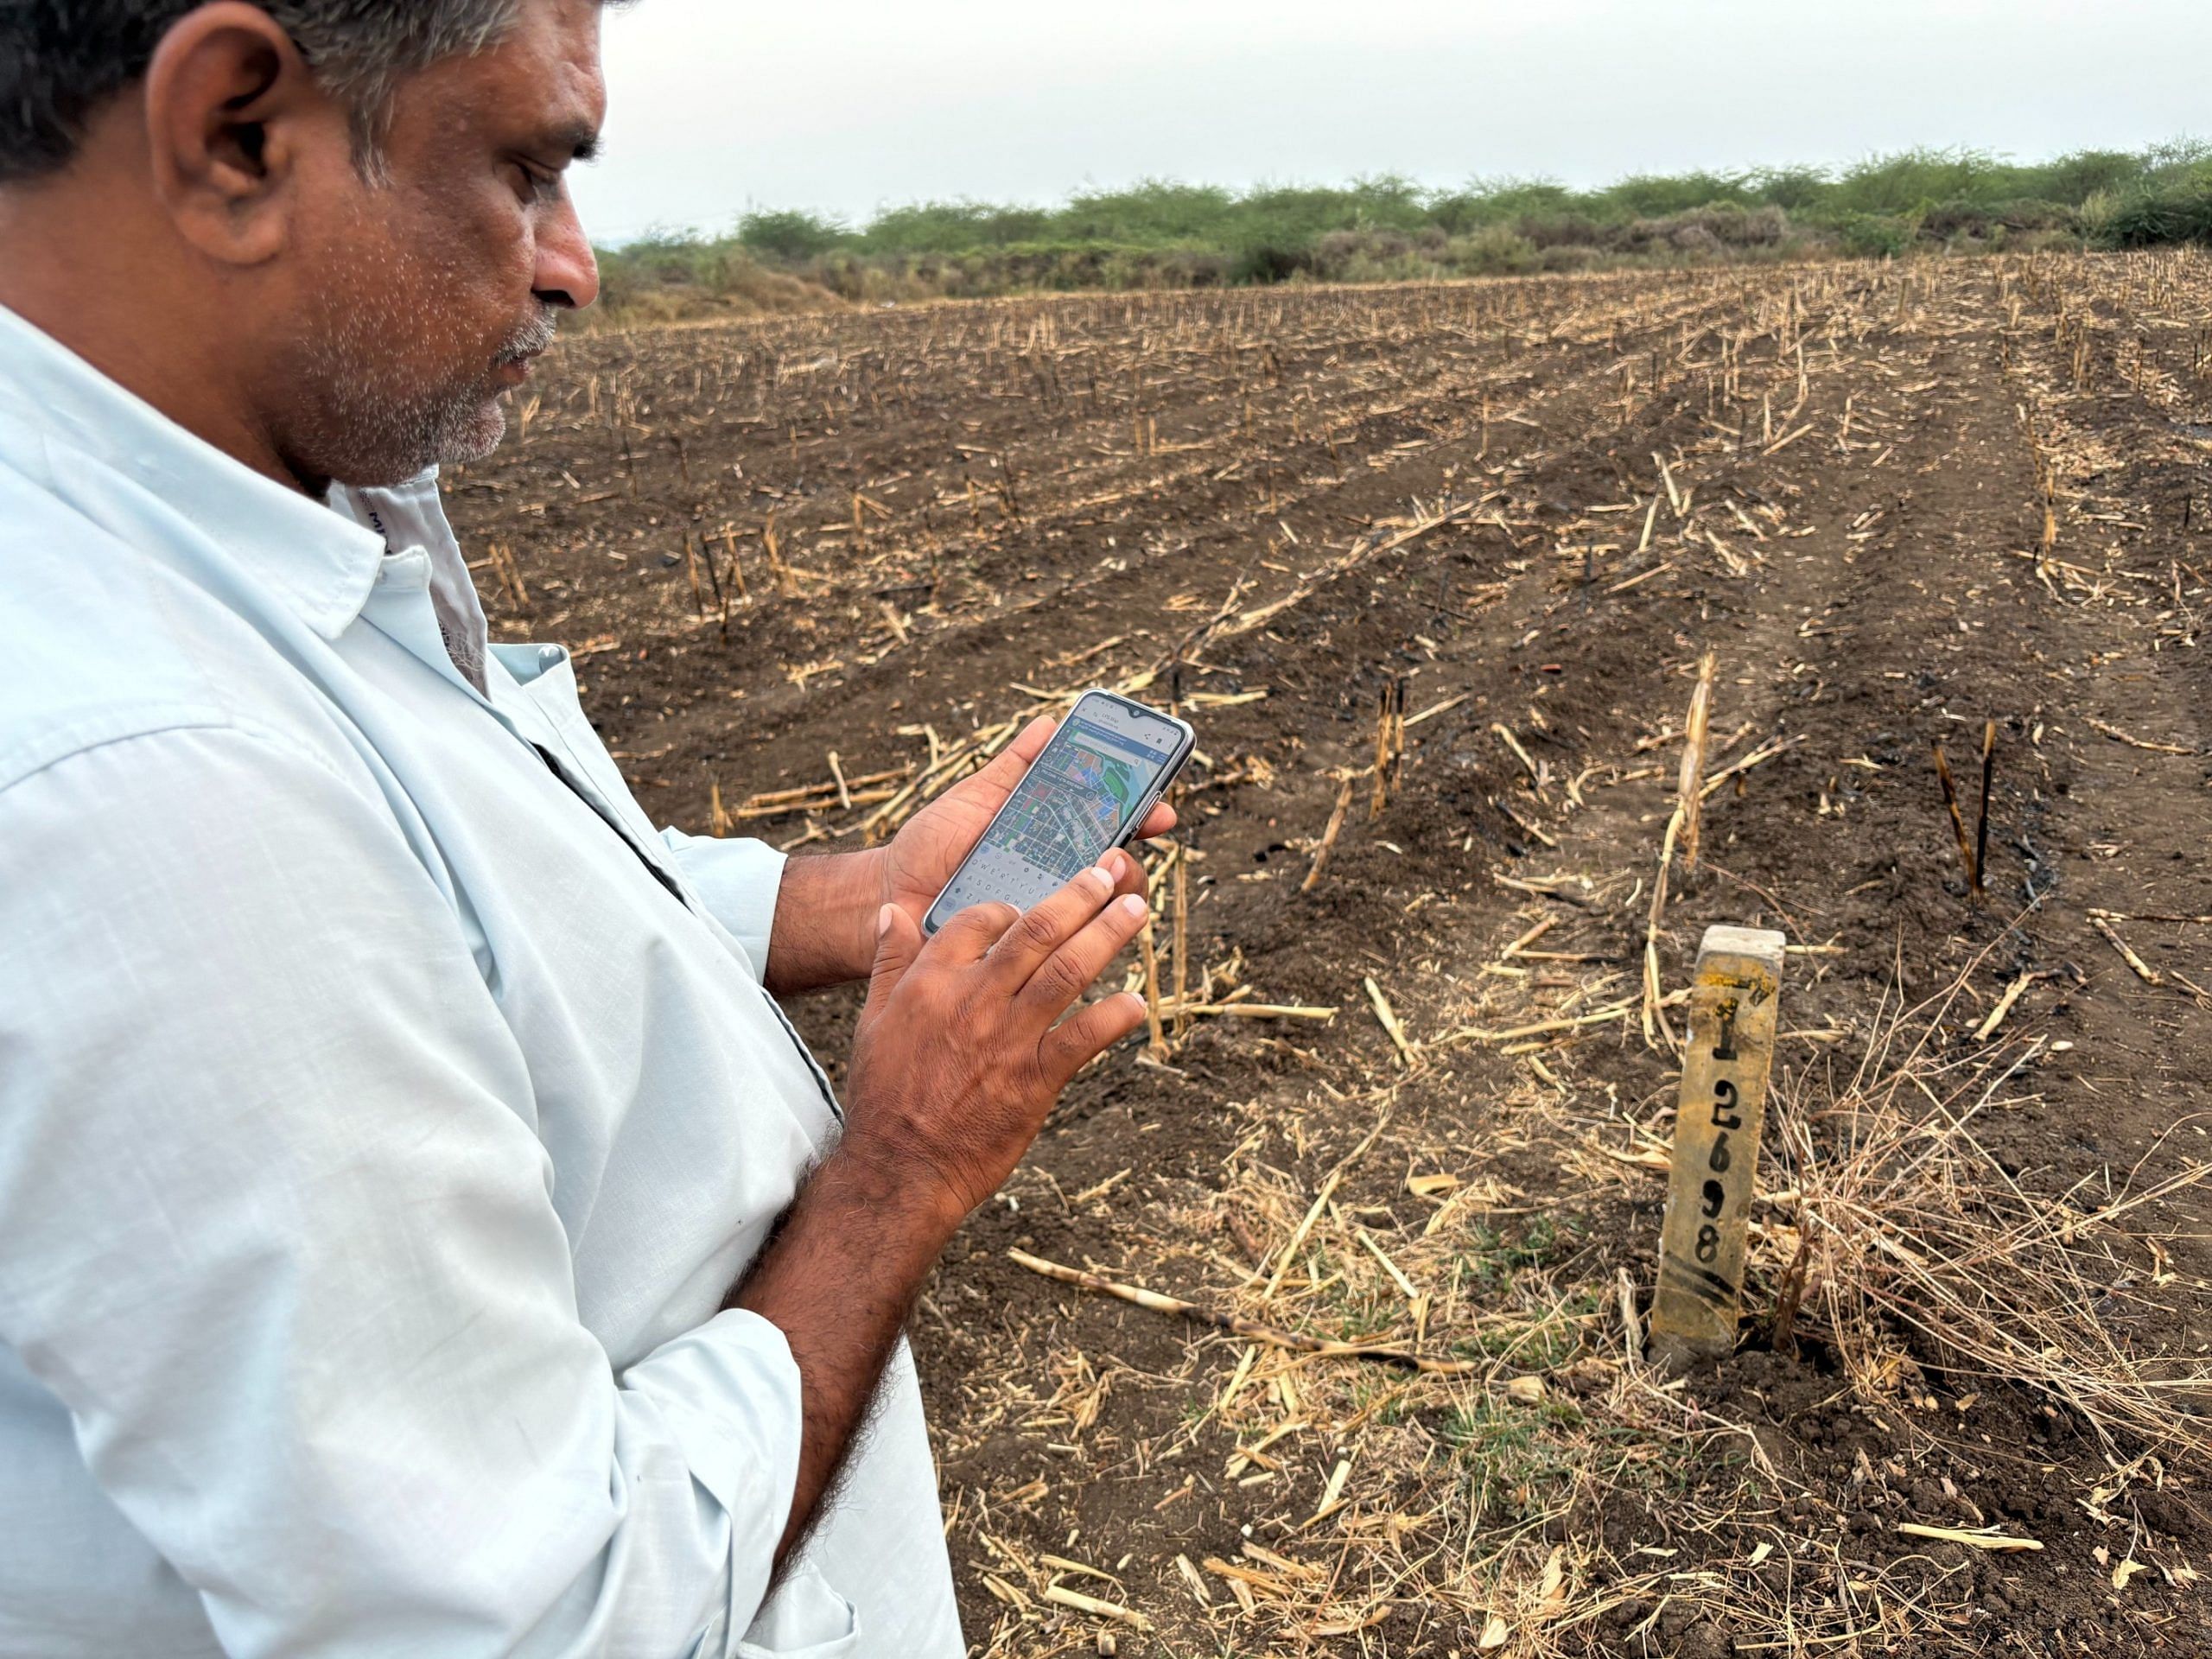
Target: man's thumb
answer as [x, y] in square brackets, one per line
[898, 942]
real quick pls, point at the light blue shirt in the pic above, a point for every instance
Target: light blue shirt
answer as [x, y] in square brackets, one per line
[386, 1106]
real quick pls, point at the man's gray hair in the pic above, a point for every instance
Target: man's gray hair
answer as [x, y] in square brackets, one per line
[60, 59]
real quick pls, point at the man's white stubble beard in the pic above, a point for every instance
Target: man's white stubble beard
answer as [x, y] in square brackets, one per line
[378, 432]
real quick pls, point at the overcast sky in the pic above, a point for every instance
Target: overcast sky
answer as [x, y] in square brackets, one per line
[845, 107]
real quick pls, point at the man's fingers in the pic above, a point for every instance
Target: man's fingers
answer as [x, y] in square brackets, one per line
[1158, 822]
[1069, 971]
[1007, 765]
[1050, 923]
[974, 931]
[898, 942]
[1128, 873]
[1072, 1044]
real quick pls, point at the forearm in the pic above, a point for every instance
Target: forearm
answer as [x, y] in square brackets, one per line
[839, 1281]
[824, 930]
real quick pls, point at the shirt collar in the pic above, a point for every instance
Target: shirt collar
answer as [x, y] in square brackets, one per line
[320, 564]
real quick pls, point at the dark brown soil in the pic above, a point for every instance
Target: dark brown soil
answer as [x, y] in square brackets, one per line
[1037, 480]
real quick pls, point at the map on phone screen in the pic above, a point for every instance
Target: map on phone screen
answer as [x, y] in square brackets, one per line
[1067, 810]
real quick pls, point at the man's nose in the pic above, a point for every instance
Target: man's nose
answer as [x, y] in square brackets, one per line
[567, 273]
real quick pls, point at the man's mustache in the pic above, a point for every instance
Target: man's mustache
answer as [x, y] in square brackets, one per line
[530, 339]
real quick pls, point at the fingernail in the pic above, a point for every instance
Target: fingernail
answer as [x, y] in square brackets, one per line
[883, 921]
[1103, 876]
[1133, 905]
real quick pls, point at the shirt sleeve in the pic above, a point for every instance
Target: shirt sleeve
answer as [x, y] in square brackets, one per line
[275, 1229]
[738, 881]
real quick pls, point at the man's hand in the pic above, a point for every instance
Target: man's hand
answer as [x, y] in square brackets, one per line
[961, 1051]
[959, 1056]
[825, 925]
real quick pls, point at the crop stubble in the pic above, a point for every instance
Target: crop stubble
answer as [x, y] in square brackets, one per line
[1537, 504]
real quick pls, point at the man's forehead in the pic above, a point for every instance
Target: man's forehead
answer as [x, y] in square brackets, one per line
[541, 82]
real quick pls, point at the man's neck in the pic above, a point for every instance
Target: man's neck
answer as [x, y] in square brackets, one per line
[105, 288]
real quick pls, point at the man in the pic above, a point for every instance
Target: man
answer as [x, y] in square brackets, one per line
[420, 1232]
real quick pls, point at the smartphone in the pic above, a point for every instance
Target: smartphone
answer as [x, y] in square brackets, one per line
[1111, 759]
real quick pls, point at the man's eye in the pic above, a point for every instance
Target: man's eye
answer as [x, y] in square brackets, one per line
[536, 184]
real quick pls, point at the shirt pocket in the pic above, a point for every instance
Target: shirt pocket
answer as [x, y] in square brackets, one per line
[804, 1619]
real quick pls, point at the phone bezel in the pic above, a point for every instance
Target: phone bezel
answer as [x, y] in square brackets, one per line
[1188, 741]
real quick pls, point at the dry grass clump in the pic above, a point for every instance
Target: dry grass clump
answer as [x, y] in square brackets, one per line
[1910, 1232]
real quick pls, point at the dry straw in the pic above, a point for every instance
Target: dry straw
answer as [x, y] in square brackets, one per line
[1913, 1233]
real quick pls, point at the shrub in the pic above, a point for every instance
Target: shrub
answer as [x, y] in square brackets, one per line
[1493, 250]
[1562, 230]
[1269, 262]
[2148, 218]
[789, 233]
[1569, 255]
[1877, 235]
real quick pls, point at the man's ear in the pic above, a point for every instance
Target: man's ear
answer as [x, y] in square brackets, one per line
[231, 110]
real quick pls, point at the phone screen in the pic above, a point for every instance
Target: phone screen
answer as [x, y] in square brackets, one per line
[1102, 765]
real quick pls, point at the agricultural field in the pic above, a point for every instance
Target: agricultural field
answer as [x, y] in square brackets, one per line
[1436, 572]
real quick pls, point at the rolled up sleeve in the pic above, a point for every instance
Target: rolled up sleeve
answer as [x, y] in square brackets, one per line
[275, 1229]
[737, 880]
